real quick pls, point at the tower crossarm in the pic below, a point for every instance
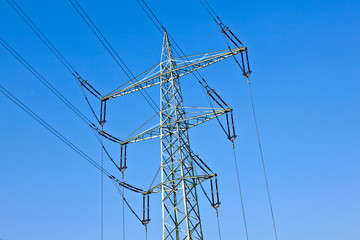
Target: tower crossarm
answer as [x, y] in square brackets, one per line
[189, 123]
[184, 66]
[199, 179]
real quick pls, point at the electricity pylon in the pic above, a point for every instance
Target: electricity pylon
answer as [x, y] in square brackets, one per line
[179, 175]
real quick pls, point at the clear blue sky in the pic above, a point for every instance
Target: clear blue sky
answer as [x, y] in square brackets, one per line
[305, 61]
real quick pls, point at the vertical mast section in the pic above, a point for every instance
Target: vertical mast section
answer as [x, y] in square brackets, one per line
[180, 210]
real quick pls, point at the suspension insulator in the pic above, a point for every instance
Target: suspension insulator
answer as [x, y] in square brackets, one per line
[146, 210]
[123, 165]
[148, 207]
[243, 63]
[212, 193]
[232, 135]
[121, 157]
[246, 72]
[217, 203]
[102, 113]
[228, 126]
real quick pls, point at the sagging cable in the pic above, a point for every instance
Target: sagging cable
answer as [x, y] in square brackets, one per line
[111, 51]
[232, 38]
[109, 137]
[125, 201]
[229, 35]
[146, 200]
[52, 48]
[211, 92]
[87, 86]
[107, 154]
[230, 128]
[245, 68]
[220, 23]
[130, 187]
[198, 160]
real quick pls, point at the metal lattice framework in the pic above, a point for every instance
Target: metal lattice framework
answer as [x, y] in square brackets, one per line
[179, 176]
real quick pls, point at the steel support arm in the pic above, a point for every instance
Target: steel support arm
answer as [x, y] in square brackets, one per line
[157, 188]
[190, 122]
[184, 67]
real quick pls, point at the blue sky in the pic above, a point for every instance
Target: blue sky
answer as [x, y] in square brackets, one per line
[305, 61]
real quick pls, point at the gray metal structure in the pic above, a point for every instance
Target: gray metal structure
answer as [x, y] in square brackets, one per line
[179, 175]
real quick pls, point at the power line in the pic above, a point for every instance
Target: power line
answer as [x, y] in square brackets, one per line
[240, 192]
[218, 223]
[262, 162]
[224, 30]
[123, 209]
[80, 82]
[53, 90]
[42, 37]
[111, 51]
[227, 35]
[46, 83]
[52, 130]
[118, 59]
[126, 70]
[54, 50]
[102, 190]
[126, 202]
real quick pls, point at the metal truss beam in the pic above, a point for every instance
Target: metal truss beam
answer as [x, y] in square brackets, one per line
[199, 179]
[183, 67]
[188, 123]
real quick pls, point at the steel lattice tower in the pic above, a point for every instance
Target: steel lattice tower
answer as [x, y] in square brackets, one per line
[179, 176]
[181, 173]
[180, 209]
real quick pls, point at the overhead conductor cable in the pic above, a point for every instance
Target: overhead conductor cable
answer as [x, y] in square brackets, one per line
[46, 125]
[246, 73]
[111, 50]
[81, 82]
